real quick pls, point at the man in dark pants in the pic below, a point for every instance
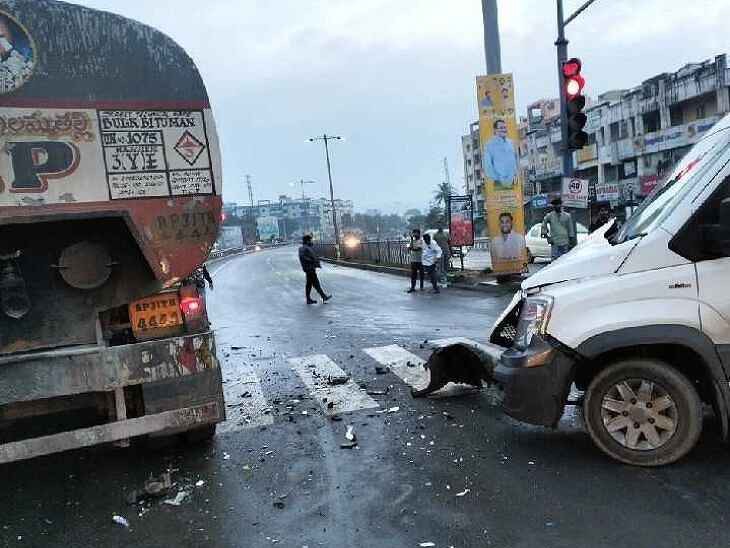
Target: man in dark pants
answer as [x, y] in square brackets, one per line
[310, 263]
[416, 249]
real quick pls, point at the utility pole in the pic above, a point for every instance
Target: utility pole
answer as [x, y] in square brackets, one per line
[492, 50]
[250, 190]
[326, 138]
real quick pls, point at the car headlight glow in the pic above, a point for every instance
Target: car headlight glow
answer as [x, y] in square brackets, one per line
[534, 318]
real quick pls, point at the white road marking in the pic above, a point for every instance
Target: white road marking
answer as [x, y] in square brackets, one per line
[398, 359]
[250, 411]
[315, 371]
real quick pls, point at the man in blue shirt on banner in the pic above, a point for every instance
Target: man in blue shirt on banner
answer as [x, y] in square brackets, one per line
[500, 157]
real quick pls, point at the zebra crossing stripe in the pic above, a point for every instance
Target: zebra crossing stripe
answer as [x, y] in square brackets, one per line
[248, 407]
[406, 365]
[316, 372]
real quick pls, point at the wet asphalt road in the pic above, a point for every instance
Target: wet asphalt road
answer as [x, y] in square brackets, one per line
[275, 476]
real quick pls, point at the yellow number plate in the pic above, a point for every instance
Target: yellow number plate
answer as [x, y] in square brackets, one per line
[154, 313]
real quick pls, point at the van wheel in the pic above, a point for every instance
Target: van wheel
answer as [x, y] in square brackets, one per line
[643, 412]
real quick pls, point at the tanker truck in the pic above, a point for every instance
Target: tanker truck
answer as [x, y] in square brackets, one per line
[110, 200]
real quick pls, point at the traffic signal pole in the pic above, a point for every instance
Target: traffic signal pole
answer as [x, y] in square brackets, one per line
[562, 45]
[492, 49]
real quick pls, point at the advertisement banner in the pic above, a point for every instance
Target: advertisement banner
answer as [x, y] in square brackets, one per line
[499, 139]
[607, 192]
[268, 228]
[461, 220]
[575, 192]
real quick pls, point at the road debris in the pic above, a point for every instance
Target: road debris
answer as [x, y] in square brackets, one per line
[335, 380]
[377, 392]
[199, 483]
[120, 520]
[381, 370]
[279, 504]
[226, 456]
[463, 493]
[178, 500]
[427, 545]
[350, 434]
[153, 488]
[393, 409]
[335, 418]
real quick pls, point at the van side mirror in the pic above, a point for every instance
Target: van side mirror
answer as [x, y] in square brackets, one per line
[716, 237]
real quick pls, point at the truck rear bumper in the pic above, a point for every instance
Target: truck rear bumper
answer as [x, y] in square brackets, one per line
[178, 379]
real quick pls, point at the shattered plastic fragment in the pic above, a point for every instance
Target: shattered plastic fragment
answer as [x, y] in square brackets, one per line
[463, 493]
[178, 500]
[393, 409]
[350, 434]
[427, 545]
[199, 483]
[119, 520]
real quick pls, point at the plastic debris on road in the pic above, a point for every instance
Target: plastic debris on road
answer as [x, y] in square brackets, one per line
[350, 434]
[199, 483]
[463, 493]
[153, 488]
[335, 380]
[226, 456]
[393, 409]
[120, 520]
[426, 545]
[178, 500]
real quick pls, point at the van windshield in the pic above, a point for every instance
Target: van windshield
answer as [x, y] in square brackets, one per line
[690, 172]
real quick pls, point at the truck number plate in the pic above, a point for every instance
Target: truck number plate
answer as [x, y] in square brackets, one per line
[154, 313]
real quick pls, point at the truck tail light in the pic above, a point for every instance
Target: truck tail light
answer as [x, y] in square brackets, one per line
[192, 307]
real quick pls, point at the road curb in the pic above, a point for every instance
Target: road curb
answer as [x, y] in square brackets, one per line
[495, 290]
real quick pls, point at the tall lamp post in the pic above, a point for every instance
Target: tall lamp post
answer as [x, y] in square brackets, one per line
[326, 138]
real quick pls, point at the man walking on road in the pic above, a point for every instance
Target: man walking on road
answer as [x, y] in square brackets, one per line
[431, 255]
[310, 263]
[416, 249]
[561, 235]
[443, 242]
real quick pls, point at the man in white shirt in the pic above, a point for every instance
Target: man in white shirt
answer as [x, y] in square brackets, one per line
[430, 258]
[509, 245]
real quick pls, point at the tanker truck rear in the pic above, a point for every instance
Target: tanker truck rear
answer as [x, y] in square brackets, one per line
[110, 199]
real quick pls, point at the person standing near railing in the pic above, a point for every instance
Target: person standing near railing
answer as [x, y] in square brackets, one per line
[415, 249]
[430, 259]
[310, 263]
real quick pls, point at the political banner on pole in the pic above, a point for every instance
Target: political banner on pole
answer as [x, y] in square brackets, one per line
[575, 192]
[461, 220]
[499, 139]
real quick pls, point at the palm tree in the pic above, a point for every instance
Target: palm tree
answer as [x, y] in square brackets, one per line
[442, 193]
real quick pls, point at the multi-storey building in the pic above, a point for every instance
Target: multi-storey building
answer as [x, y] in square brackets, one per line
[635, 136]
[295, 216]
[473, 176]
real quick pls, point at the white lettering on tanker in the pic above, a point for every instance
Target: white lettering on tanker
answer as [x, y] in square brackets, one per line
[155, 153]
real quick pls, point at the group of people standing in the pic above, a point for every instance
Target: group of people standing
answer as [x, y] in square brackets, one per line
[428, 256]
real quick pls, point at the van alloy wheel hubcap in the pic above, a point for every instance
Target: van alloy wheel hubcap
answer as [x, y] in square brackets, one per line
[639, 414]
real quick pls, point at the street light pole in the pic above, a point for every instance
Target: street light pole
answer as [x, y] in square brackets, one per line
[492, 49]
[326, 138]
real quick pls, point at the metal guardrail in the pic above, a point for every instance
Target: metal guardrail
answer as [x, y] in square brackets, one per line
[386, 252]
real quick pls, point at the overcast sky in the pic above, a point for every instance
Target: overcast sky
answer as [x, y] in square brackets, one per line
[396, 78]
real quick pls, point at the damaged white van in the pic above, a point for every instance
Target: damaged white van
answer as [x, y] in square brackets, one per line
[636, 317]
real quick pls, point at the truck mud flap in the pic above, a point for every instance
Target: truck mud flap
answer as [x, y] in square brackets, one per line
[460, 363]
[177, 419]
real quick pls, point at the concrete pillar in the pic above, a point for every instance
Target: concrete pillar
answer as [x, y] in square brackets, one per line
[665, 119]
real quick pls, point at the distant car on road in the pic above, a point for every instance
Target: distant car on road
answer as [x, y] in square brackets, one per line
[539, 248]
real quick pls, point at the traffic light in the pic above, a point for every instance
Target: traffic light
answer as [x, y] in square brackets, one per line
[575, 102]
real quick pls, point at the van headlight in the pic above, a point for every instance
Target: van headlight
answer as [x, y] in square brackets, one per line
[534, 318]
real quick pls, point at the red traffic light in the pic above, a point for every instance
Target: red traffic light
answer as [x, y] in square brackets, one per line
[572, 67]
[574, 86]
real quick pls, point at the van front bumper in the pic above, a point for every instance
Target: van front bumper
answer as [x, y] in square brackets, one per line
[536, 381]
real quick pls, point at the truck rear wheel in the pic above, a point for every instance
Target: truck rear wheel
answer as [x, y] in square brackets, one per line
[643, 412]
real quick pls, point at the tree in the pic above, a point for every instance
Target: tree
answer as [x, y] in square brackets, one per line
[442, 193]
[435, 217]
